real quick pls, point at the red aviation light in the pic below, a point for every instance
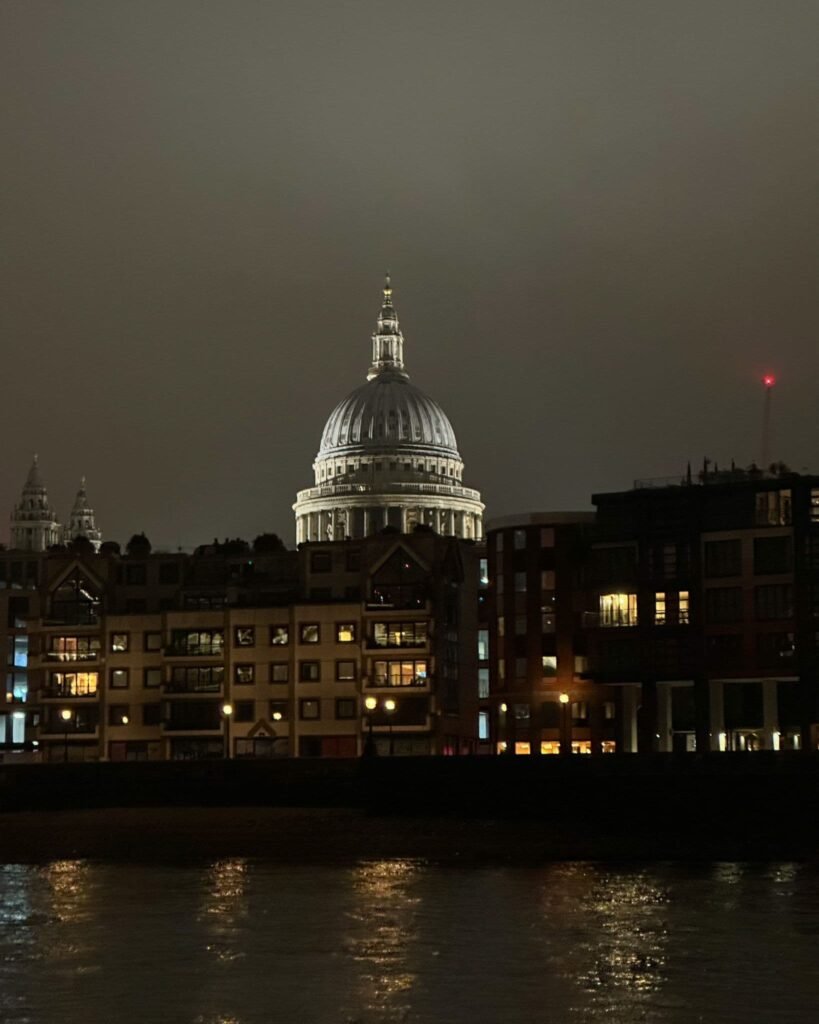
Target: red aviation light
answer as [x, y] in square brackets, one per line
[769, 380]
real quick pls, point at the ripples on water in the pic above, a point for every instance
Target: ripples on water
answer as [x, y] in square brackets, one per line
[240, 942]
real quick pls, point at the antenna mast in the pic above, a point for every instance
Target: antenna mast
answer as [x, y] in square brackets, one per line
[768, 382]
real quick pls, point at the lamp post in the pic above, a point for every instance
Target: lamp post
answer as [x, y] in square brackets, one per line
[370, 703]
[227, 711]
[389, 707]
[566, 739]
[65, 714]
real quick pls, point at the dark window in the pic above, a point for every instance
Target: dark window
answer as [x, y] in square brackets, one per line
[136, 605]
[723, 604]
[724, 650]
[119, 678]
[772, 554]
[152, 678]
[244, 636]
[309, 710]
[196, 679]
[152, 641]
[321, 561]
[773, 601]
[75, 601]
[613, 564]
[309, 671]
[723, 558]
[151, 714]
[309, 633]
[321, 593]
[203, 642]
[345, 670]
[135, 575]
[551, 713]
[353, 561]
[775, 650]
[279, 672]
[743, 705]
[243, 675]
[245, 710]
[168, 572]
[345, 708]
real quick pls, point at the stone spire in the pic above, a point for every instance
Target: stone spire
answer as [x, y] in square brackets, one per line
[388, 341]
[82, 522]
[34, 527]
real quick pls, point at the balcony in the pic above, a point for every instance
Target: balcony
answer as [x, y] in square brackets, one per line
[212, 688]
[61, 693]
[194, 651]
[416, 683]
[376, 645]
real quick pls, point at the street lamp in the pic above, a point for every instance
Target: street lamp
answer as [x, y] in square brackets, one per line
[227, 711]
[370, 703]
[566, 740]
[65, 714]
[389, 707]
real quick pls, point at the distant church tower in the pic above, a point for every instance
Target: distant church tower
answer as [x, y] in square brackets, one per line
[34, 527]
[81, 522]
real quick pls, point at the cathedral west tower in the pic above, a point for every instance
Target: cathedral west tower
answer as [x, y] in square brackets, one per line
[388, 457]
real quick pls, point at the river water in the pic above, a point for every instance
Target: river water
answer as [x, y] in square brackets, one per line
[239, 942]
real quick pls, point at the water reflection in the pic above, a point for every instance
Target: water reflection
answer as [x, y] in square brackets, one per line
[382, 928]
[225, 909]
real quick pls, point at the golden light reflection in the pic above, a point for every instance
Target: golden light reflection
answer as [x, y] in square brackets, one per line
[624, 966]
[225, 909]
[68, 880]
[382, 929]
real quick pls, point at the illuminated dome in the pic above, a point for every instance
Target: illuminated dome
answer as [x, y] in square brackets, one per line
[387, 457]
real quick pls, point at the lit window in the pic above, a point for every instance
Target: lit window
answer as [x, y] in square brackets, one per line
[609, 710]
[279, 672]
[618, 609]
[400, 673]
[73, 684]
[119, 642]
[483, 645]
[244, 636]
[309, 633]
[549, 663]
[278, 710]
[581, 746]
[580, 711]
[684, 611]
[523, 748]
[483, 572]
[279, 635]
[345, 632]
[659, 609]
[608, 747]
[483, 683]
[244, 674]
[483, 725]
[549, 747]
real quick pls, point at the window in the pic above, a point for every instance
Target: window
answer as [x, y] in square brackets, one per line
[119, 714]
[353, 561]
[723, 558]
[73, 684]
[151, 714]
[399, 634]
[724, 650]
[400, 673]
[580, 711]
[520, 712]
[501, 670]
[520, 625]
[73, 648]
[168, 573]
[196, 679]
[773, 601]
[346, 708]
[501, 626]
[483, 683]
[814, 506]
[520, 582]
[345, 671]
[547, 580]
[152, 641]
[309, 633]
[278, 710]
[309, 710]
[279, 672]
[723, 604]
[135, 575]
[519, 539]
[609, 710]
[119, 678]
[521, 668]
[202, 642]
[245, 710]
[309, 671]
[483, 572]
[321, 561]
[500, 585]
[119, 642]
[685, 614]
[244, 636]
[483, 645]
[279, 635]
[345, 632]
[659, 609]
[773, 508]
[547, 618]
[483, 725]
[151, 678]
[618, 609]
[549, 665]
[775, 649]
[244, 675]
[772, 555]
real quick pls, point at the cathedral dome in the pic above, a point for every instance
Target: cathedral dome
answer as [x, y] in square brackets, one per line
[388, 413]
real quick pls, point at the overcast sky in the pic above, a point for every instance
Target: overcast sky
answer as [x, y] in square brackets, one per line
[601, 220]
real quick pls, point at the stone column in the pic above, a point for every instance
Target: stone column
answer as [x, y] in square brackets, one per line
[770, 712]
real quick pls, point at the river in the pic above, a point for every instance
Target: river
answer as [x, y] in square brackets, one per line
[240, 942]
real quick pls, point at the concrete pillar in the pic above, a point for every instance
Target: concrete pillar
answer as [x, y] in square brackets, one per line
[628, 725]
[647, 718]
[717, 706]
[664, 721]
[770, 712]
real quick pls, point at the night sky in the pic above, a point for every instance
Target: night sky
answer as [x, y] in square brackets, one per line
[601, 220]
